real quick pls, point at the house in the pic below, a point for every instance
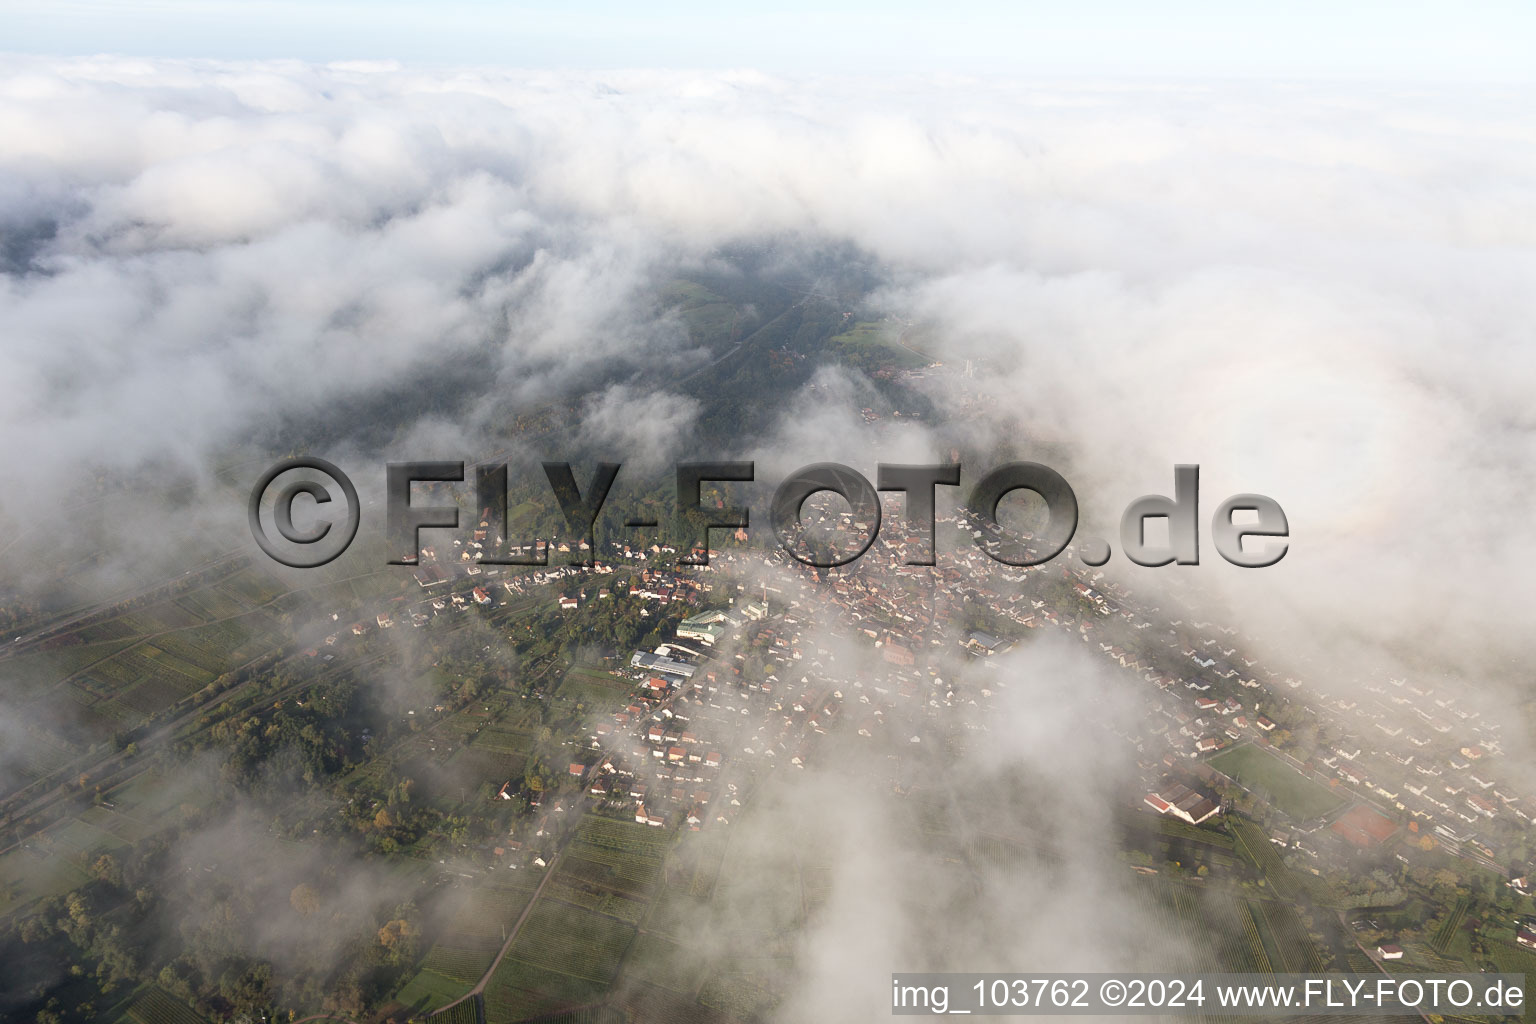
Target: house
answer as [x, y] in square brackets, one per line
[481, 597]
[1389, 951]
[1526, 936]
[1179, 801]
[985, 643]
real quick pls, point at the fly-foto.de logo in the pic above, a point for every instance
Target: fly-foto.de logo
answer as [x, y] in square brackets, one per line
[293, 483]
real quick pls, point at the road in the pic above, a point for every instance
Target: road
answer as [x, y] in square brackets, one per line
[549, 873]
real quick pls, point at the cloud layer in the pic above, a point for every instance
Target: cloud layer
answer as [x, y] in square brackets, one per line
[1318, 294]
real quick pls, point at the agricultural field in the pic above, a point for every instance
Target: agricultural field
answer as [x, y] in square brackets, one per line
[1264, 774]
[32, 871]
[673, 916]
[470, 941]
[747, 987]
[79, 839]
[1297, 950]
[1512, 959]
[1219, 931]
[1259, 944]
[1446, 933]
[585, 1015]
[157, 1006]
[587, 896]
[493, 766]
[41, 753]
[707, 853]
[29, 675]
[623, 873]
[429, 990]
[581, 944]
[816, 884]
[1257, 847]
[123, 670]
[624, 837]
[156, 794]
[458, 964]
[521, 988]
[1177, 829]
[710, 318]
[461, 1013]
[650, 1004]
[1420, 957]
[592, 688]
[1012, 858]
[874, 345]
[660, 961]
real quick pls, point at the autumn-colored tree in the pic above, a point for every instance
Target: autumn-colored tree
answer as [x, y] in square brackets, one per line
[304, 899]
[383, 819]
[393, 932]
[106, 870]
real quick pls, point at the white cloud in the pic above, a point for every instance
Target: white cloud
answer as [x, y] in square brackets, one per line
[1318, 293]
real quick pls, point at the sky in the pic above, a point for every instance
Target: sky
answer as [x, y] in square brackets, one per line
[1428, 40]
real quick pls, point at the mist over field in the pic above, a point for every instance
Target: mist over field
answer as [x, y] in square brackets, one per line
[1323, 294]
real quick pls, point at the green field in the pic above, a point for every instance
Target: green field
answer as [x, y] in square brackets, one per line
[1512, 959]
[1261, 772]
[592, 688]
[874, 345]
[430, 990]
[462, 1013]
[34, 870]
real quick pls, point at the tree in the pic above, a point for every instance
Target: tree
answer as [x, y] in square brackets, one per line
[79, 911]
[394, 933]
[304, 899]
[106, 870]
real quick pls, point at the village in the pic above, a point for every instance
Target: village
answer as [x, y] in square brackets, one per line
[752, 678]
